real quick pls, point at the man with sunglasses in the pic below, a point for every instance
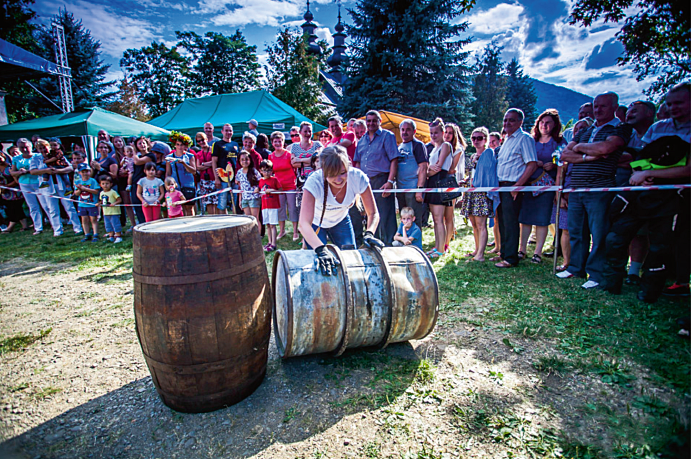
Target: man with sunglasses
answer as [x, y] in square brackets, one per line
[294, 137]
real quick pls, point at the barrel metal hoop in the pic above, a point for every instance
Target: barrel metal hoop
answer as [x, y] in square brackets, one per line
[283, 348]
[197, 278]
[436, 289]
[392, 296]
[349, 303]
[201, 367]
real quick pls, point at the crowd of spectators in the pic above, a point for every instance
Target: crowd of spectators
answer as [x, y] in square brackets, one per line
[596, 233]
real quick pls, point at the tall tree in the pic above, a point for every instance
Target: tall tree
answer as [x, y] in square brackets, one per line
[293, 74]
[407, 56]
[221, 64]
[656, 37]
[160, 74]
[89, 85]
[17, 28]
[489, 89]
[128, 103]
[520, 92]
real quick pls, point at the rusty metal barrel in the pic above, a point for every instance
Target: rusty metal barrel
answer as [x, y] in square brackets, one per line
[378, 297]
[202, 308]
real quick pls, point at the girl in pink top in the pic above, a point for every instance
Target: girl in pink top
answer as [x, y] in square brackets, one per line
[285, 173]
[174, 198]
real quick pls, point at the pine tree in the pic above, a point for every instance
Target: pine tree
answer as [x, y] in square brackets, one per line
[160, 74]
[221, 64]
[407, 56]
[89, 85]
[490, 89]
[520, 93]
[128, 103]
[293, 74]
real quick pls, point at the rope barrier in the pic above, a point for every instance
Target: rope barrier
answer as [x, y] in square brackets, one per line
[501, 189]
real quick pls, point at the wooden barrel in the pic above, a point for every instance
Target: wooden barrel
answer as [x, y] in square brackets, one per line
[377, 298]
[202, 309]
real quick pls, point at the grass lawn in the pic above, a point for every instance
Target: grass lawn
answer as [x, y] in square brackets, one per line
[626, 344]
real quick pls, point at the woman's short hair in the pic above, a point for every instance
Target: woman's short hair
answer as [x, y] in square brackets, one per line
[482, 130]
[42, 142]
[332, 159]
[278, 135]
[249, 135]
[202, 135]
[305, 123]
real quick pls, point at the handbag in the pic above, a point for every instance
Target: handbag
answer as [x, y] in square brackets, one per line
[543, 180]
[448, 182]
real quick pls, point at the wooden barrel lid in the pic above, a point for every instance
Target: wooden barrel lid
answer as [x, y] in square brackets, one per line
[193, 224]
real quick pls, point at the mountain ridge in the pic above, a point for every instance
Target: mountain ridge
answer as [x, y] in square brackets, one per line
[566, 101]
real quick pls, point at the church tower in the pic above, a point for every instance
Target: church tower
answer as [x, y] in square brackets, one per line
[338, 52]
[309, 27]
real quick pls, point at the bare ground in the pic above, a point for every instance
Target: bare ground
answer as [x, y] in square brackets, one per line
[83, 390]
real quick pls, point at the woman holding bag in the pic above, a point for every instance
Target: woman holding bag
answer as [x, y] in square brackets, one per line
[182, 165]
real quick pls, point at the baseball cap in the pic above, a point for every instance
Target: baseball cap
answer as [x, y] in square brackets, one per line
[160, 147]
[253, 121]
[83, 167]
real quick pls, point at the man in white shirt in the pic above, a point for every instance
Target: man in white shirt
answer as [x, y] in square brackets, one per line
[516, 162]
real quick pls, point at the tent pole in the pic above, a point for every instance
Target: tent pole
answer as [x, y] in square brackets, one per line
[44, 96]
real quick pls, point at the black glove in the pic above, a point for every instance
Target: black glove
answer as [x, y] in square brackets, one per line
[325, 261]
[370, 241]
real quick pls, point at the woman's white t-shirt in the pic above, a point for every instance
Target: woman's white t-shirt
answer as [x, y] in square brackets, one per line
[434, 156]
[335, 212]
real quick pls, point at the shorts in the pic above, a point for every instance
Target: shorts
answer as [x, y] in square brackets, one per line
[87, 211]
[253, 203]
[270, 216]
[112, 223]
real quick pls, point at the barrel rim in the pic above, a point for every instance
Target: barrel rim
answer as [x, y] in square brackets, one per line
[140, 227]
[428, 262]
[349, 310]
[280, 258]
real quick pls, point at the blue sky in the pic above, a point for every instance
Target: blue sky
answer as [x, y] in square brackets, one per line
[534, 31]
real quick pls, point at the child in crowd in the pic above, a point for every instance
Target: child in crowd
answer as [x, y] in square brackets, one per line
[109, 199]
[150, 192]
[56, 160]
[127, 164]
[174, 198]
[248, 178]
[270, 202]
[408, 232]
[87, 190]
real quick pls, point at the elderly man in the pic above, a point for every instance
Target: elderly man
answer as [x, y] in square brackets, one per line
[586, 111]
[377, 155]
[359, 128]
[594, 154]
[209, 131]
[224, 158]
[664, 212]
[516, 162]
[412, 171]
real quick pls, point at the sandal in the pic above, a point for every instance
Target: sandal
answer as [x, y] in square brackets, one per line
[470, 255]
[491, 244]
[521, 255]
[495, 259]
[504, 264]
[536, 259]
[434, 253]
[561, 268]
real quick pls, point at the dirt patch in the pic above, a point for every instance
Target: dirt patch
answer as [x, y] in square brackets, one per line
[468, 390]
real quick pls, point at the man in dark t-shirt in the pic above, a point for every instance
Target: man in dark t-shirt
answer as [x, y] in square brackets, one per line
[224, 164]
[594, 155]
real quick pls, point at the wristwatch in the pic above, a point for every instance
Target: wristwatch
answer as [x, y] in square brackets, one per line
[391, 182]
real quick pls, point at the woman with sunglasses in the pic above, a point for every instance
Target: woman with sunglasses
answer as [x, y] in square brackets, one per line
[478, 206]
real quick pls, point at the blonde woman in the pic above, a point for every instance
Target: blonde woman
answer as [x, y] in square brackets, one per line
[440, 161]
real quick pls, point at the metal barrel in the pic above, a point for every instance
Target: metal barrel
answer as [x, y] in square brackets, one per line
[378, 297]
[202, 309]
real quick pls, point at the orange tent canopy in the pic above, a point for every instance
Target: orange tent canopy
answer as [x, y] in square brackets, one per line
[391, 121]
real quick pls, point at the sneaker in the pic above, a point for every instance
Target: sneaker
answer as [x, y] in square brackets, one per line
[86, 238]
[565, 275]
[590, 284]
[57, 234]
[78, 232]
[676, 290]
[110, 239]
[37, 232]
[95, 238]
[117, 240]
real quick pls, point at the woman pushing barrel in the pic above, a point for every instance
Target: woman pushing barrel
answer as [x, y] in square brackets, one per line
[327, 195]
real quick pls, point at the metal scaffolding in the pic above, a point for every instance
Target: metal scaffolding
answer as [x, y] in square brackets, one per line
[63, 67]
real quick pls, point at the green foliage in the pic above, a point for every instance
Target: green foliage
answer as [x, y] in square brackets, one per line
[408, 57]
[21, 341]
[128, 103]
[520, 93]
[656, 36]
[160, 74]
[221, 64]
[293, 73]
[489, 89]
[89, 85]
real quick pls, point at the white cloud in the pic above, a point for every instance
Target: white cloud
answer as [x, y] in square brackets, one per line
[115, 32]
[497, 19]
[238, 13]
[324, 33]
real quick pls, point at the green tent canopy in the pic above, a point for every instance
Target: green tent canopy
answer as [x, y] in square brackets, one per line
[82, 122]
[235, 109]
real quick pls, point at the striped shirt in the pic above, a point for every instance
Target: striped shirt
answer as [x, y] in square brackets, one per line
[601, 172]
[518, 150]
[666, 128]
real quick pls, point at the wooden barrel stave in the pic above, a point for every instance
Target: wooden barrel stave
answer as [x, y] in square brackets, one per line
[220, 326]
